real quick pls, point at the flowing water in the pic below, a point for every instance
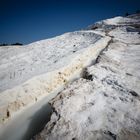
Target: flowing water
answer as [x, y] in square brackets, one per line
[28, 122]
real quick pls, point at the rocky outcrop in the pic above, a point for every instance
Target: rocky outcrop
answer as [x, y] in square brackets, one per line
[104, 104]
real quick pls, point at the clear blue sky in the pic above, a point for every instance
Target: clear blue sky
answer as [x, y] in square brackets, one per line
[27, 21]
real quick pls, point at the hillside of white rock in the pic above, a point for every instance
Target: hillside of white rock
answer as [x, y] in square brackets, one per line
[28, 73]
[95, 72]
[104, 104]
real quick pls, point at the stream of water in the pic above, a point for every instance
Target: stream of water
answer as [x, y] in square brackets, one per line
[27, 123]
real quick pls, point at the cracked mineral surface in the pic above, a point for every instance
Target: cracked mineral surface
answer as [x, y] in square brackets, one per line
[104, 104]
[95, 75]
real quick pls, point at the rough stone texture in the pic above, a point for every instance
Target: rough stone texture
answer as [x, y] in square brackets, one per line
[30, 73]
[104, 104]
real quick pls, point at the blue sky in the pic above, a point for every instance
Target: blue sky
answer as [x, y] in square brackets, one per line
[27, 21]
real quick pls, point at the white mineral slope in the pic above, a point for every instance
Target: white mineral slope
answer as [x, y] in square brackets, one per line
[104, 104]
[29, 73]
[120, 21]
[109, 24]
[18, 64]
